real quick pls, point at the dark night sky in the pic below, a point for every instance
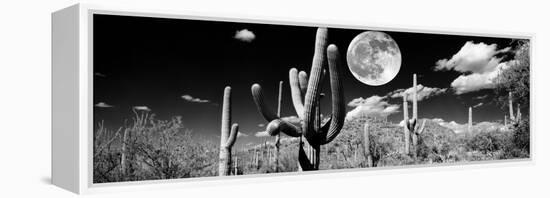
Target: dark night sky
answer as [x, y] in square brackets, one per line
[152, 62]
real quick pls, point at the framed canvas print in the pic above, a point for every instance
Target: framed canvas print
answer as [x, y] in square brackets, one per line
[148, 98]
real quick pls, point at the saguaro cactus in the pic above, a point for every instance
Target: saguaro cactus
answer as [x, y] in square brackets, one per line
[228, 138]
[412, 123]
[405, 121]
[366, 146]
[470, 120]
[278, 136]
[312, 135]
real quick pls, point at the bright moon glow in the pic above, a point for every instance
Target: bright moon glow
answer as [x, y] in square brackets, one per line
[374, 58]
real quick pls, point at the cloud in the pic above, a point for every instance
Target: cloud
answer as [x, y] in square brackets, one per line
[100, 75]
[261, 125]
[142, 108]
[477, 105]
[103, 105]
[262, 134]
[481, 97]
[478, 64]
[239, 134]
[374, 106]
[472, 57]
[421, 91]
[244, 35]
[190, 98]
[456, 127]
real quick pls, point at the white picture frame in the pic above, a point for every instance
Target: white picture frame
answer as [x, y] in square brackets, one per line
[72, 104]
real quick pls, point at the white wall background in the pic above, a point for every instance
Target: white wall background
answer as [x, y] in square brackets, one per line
[25, 98]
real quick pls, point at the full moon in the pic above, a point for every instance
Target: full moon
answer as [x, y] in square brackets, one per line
[373, 58]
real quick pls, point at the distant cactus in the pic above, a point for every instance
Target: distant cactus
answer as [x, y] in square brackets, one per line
[312, 134]
[405, 121]
[366, 146]
[412, 123]
[228, 138]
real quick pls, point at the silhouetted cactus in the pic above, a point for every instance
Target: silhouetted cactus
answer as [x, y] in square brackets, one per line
[227, 138]
[312, 134]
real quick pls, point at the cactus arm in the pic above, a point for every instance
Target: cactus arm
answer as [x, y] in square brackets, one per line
[302, 76]
[422, 127]
[314, 85]
[226, 115]
[232, 136]
[334, 125]
[296, 93]
[279, 125]
[258, 97]
[411, 124]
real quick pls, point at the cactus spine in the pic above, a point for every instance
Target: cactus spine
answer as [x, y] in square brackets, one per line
[470, 120]
[405, 129]
[366, 146]
[228, 136]
[312, 136]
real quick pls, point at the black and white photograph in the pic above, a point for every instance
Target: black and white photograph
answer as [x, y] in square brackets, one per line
[191, 98]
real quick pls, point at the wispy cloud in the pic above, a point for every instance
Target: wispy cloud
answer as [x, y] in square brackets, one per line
[245, 35]
[190, 98]
[422, 92]
[103, 105]
[261, 125]
[142, 108]
[374, 106]
[240, 134]
[477, 105]
[261, 134]
[479, 64]
[100, 75]
[481, 97]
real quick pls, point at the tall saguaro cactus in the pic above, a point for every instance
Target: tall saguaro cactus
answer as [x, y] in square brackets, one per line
[405, 121]
[228, 136]
[278, 136]
[412, 123]
[312, 135]
[366, 146]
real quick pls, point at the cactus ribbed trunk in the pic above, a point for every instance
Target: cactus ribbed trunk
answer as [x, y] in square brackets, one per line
[505, 121]
[228, 136]
[518, 114]
[470, 120]
[124, 151]
[405, 129]
[415, 117]
[236, 166]
[278, 136]
[366, 146]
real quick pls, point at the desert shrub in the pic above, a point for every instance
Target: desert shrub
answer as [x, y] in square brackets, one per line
[155, 149]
